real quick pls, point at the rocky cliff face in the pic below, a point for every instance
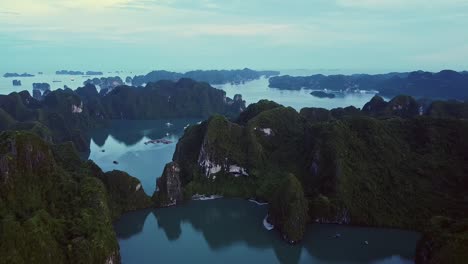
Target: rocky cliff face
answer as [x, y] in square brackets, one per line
[402, 106]
[169, 186]
[125, 192]
[210, 163]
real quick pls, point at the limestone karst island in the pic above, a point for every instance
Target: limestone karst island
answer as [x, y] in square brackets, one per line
[202, 131]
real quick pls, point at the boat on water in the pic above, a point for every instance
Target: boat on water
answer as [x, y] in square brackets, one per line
[168, 124]
[158, 141]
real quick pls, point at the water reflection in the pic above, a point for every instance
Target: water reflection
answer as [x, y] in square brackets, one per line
[232, 230]
[123, 141]
[126, 231]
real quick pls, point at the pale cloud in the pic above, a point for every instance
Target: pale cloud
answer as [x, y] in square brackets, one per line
[402, 4]
[445, 56]
[345, 30]
[43, 7]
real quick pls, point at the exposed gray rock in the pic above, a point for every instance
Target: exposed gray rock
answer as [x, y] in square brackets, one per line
[169, 186]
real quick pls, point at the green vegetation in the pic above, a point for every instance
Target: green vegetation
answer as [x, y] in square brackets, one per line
[66, 115]
[446, 84]
[445, 242]
[374, 167]
[55, 208]
[288, 210]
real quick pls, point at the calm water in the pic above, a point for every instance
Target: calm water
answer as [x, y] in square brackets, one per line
[228, 230]
[252, 92]
[6, 85]
[256, 90]
[124, 142]
[231, 231]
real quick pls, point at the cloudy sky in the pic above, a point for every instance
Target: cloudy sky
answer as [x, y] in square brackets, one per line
[361, 35]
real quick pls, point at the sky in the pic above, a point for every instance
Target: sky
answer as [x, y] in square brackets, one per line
[360, 35]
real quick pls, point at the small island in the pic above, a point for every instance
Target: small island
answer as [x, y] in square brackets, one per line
[94, 73]
[446, 84]
[322, 94]
[213, 77]
[106, 83]
[65, 72]
[41, 86]
[14, 74]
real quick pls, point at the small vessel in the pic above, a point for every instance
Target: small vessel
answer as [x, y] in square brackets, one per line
[366, 242]
[168, 124]
[55, 81]
[115, 162]
[72, 79]
[158, 141]
[337, 235]
[167, 134]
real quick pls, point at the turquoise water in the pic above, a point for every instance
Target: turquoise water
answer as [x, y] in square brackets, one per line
[124, 142]
[231, 231]
[256, 90]
[228, 230]
[6, 85]
[224, 230]
[252, 91]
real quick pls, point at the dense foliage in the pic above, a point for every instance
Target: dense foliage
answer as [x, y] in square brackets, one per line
[288, 209]
[446, 84]
[67, 115]
[55, 208]
[375, 166]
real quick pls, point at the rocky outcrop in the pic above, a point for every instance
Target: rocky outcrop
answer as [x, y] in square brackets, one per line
[125, 192]
[446, 84]
[211, 76]
[105, 83]
[41, 86]
[77, 109]
[288, 210]
[322, 94]
[66, 72]
[402, 106]
[37, 94]
[214, 158]
[9, 75]
[169, 186]
[94, 73]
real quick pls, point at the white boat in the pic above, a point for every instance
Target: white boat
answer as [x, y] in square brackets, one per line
[168, 124]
